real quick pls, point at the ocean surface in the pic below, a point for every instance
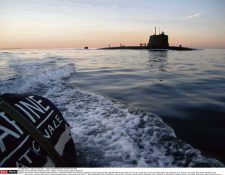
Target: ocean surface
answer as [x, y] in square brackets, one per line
[130, 108]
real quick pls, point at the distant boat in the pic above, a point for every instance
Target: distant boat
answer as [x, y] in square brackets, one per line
[86, 47]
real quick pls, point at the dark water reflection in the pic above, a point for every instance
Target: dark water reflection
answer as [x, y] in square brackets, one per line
[157, 60]
[186, 89]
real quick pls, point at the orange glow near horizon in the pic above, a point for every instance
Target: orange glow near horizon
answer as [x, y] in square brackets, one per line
[76, 24]
[97, 40]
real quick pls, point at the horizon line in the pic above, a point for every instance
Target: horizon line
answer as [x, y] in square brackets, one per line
[79, 48]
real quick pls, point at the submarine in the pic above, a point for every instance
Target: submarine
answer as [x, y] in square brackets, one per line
[156, 42]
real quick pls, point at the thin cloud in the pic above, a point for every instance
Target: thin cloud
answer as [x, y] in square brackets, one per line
[196, 15]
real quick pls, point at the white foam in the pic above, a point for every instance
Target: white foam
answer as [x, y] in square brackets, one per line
[106, 134]
[36, 77]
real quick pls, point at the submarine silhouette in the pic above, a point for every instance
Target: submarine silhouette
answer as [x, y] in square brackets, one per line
[156, 42]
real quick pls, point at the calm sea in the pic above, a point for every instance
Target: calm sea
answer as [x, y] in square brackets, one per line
[186, 89]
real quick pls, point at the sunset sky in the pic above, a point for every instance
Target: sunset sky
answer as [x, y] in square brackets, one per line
[98, 23]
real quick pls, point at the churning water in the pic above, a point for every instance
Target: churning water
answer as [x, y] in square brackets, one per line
[130, 107]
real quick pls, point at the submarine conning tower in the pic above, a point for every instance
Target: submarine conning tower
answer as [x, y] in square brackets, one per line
[158, 41]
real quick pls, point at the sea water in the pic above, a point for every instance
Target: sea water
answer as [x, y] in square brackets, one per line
[130, 108]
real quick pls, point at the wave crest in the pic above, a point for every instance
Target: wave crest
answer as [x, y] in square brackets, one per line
[108, 135]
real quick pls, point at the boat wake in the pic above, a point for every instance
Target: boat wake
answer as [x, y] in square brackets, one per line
[108, 135]
[105, 132]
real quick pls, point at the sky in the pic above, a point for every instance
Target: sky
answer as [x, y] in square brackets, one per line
[98, 23]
